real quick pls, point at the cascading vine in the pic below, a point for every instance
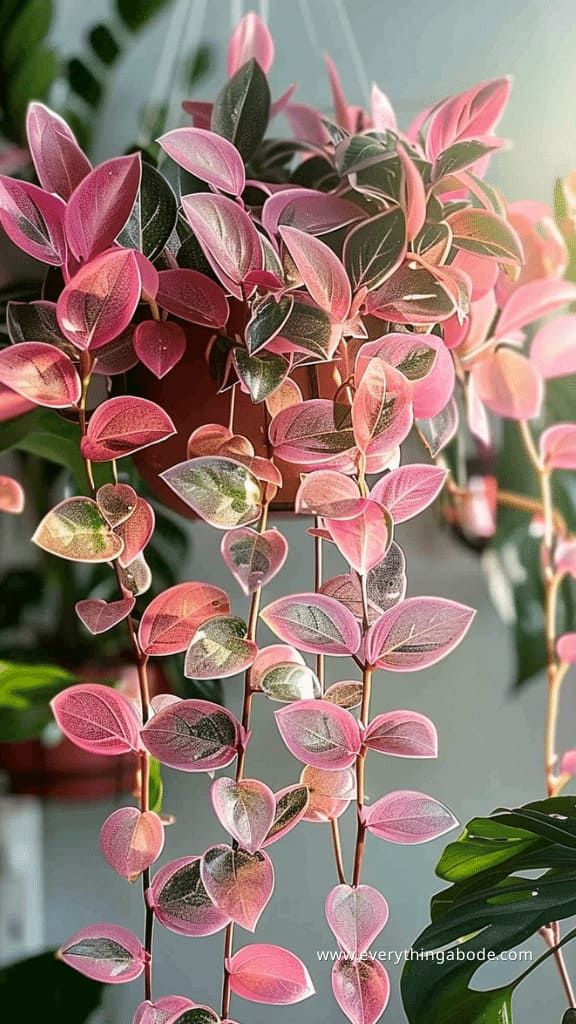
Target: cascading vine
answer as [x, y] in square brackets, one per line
[359, 249]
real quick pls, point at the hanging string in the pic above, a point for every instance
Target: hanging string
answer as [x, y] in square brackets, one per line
[165, 67]
[310, 27]
[353, 49]
[188, 43]
[264, 10]
[236, 12]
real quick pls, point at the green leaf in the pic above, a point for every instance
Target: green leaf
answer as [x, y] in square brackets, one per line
[361, 151]
[223, 492]
[242, 108]
[35, 321]
[485, 234]
[311, 329]
[104, 44]
[461, 155]
[48, 436]
[32, 80]
[155, 786]
[261, 375]
[382, 180]
[153, 216]
[27, 31]
[136, 15]
[25, 693]
[374, 249]
[569, 1017]
[267, 321]
[84, 83]
[43, 988]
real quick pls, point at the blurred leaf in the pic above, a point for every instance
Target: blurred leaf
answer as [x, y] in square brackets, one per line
[155, 786]
[25, 692]
[20, 588]
[33, 79]
[27, 31]
[104, 44]
[198, 65]
[83, 82]
[43, 988]
[136, 15]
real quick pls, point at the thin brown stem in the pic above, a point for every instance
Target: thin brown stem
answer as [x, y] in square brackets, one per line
[360, 780]
[318, 572]
[337, 847]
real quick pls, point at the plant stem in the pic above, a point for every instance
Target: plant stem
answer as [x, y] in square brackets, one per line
[337, 847]
[360, 780]
[318, 569]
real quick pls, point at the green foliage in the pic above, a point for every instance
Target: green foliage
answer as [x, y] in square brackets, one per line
[512, 873]
[25, 692]
[43, 989]
[242, 108]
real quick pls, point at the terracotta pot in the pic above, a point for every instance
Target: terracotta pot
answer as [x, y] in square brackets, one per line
[65, 772]
[189, 395]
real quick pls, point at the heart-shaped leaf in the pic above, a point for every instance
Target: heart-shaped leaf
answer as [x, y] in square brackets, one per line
[240, 883]
[375, 249]
[101, 204]
[346, 694]
[417, 633]
[408, 490]
[321, 271]
[208, 156]
[40, 373]
[254, 558]
[320, 733]
[287, 682]
[382, 409]
[324, 492]
[509, 384]
[192, 296]
[131, 841]
[219, 649]
[260, 375]
[269, 974]
[100, 616]
[408, 817]
[33, 220]
[402, 734]
[162, 1010]
[160, 345]
[124, 425]
[99, 302]
[58, 160]
[221, 491]
[364, 539]
[558, 446]
[242, 108]
[104, 952]
[76, 529]
[245, 809]
[181, 902]
[192, 735]
[290, 806]
[386, 582]
[361, 989]
[356, 916]
[135, 532]
[313, 623]
[116, 502]
[97, 719]
[228, 237]
[172, 618]
[330, 792]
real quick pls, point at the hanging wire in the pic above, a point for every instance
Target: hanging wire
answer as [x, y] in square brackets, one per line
[264, 10]
[189, 41]
[308, 20]
[353, 49]
[236, 12]
[165, 66]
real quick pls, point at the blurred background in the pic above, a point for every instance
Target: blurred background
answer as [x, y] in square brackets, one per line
[52, 878]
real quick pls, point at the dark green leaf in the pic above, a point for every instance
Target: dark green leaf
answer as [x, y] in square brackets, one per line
[32, 80]
[381, 180]
[27, 31]
[261, 375]
[198, 65]
[42, 988]
[242, 108]
[84, 83]
[310, 328]
[34, 321]
[375, 248]
[360, 151]
[220, 362]
[461, 155]
[316, 172]
[153, 216]
[104, 44]
[190, 256]
[268, 320]
[136, 15]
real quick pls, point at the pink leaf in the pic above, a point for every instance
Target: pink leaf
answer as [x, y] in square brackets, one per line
[382, 409]
[531, 302]
[97, 719]
[104, 952]
[192, 735]
[180, 901]
[99, 302]
[58, 160]
[361, 989]
[193, 297]
[135, 532]
[269, 657]
[172, 618]
[324, 492]
[161, 1011]
[100, 616]
[200, 111]
[41, 373]
[220, 648]
[269, 974]
[509, 384]
[565, 557]
[321, 271]
[414, 195]
[131, 841]
[345, 115]
[307, 125]
[124, 425]
[245, 809]
[408, 490]
[250, 39]
[432, 394]
[101, 204]
[473, 113]
[330, 792]
[33, 220]
[568, 763]
[228, 238]
[12, 498]
[356, 916]
[291, 805]
[408, 817]
[312, 432]
[415, 355]
[417, 633]
[160, 345]
[402, 734]
[313, 212]
[383, 116]
[253, 558]
[208, 156]
[240, 883]
[116, 502]
[313, 623]
[364, 539]
[566, 648]
[319, 733]
[553, 349]
[558, 446]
